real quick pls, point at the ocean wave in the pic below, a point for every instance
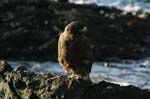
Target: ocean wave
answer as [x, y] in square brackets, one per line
[127, 5]
[134, 72]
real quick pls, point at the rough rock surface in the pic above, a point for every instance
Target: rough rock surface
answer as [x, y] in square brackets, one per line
[20, 83]
[29, 29]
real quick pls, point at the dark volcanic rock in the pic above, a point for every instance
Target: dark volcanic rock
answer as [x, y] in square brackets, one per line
[18, 85]
[29, 29]
[4, 68]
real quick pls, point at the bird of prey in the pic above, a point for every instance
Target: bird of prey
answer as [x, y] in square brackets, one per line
[75, 51]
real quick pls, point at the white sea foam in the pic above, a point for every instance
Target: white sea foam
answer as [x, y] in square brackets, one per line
[127, 5]
[134, 72]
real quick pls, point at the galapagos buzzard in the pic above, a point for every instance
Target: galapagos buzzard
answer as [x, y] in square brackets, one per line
[75, 51]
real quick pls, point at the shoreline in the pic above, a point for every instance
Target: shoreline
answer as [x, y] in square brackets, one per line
[21, 83]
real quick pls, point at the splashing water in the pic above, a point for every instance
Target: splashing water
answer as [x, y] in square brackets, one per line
[127, 5]
[134, 72]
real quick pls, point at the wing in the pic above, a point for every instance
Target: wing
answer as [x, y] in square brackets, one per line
[80, 53]
[64, 49]
[86, 54]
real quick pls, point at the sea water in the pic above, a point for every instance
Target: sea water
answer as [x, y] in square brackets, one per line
[127, 5]
[133, 72]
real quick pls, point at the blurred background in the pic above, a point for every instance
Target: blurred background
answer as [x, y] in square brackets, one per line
[118, 29]
[128, 5]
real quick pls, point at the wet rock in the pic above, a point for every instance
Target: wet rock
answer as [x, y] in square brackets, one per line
[20, 85]
[23, 71]
[20, 68]
[48, 86]
[33, 96]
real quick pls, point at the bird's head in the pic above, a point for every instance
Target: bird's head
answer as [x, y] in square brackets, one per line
[75, 27]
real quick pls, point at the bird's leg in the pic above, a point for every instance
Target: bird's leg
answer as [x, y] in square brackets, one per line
[72, 75]
[71, 80]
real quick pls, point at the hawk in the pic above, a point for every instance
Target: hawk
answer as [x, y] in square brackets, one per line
[75, 51]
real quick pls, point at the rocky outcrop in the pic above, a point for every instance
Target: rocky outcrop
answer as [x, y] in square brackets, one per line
[20, 83]
[29, 29]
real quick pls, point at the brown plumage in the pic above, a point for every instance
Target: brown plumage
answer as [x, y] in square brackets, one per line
[74, 51]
